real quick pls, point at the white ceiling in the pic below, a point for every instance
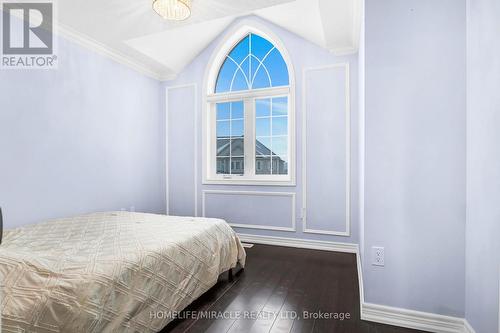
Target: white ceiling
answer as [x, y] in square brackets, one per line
[131, 32]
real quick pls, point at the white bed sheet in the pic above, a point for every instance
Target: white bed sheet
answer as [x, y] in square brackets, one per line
[110, 272]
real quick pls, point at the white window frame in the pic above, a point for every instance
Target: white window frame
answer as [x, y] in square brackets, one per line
[210, 99]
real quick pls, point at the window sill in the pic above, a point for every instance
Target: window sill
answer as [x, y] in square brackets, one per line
[249, 182]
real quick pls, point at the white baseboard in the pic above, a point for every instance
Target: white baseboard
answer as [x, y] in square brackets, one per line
[468, 328]
[423, 321]
[300, 243]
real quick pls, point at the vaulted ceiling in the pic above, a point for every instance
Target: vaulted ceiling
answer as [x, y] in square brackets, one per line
[131, 32]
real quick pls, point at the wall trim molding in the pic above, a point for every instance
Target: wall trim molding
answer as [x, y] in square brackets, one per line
[400, 317]
[343, 51]
[292, 195]
[103, 50]
[417, 320]
[167, 183]
[300, 243]
[195, 161]
[305, 229]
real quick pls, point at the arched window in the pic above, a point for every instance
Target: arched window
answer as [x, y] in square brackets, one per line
[250, 120]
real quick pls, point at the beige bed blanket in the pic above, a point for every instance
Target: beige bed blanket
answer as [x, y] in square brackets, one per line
[110, 272]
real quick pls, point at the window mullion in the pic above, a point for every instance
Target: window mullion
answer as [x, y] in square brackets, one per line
[255, 93]
[249, 137]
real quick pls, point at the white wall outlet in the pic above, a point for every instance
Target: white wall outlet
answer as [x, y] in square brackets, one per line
[378, 256]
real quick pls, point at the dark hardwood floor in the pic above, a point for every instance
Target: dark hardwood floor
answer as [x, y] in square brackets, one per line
[277, 286]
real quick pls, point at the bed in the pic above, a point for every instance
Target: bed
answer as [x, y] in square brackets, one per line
[110, 272]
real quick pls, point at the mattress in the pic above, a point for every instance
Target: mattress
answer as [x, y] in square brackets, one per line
[110, 272]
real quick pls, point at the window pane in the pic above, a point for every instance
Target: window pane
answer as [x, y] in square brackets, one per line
[223, 111]
[237, 147]
[263, 107]
[280, 166]
[263, 126]
[245, 69]
[240, 51]
[230, 138]
[237, 128]
[263, 165]
[237, 110]
[263, 146]
[223, 147]
[239, 82]
[260, 46]
[223, 128]
[225, 76]
[280, 125]
[280, 146]
[237, 166]
[280, 106]
[276, 67]
[223, 165]
[271, 128]
[261, 78]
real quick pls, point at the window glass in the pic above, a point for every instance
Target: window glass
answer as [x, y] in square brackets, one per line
[263, 107]
[230, 138]
[271, 129]
[254, 63]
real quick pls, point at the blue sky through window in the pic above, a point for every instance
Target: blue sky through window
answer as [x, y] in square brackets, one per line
[252, 64]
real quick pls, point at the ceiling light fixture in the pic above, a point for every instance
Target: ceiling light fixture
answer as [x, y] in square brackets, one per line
[176, 10]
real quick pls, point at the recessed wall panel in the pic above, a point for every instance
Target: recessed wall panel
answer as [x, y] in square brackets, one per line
[257, 210]
[327, 150]
[181, 104]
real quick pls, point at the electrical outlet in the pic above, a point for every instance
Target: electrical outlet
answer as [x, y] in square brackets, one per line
[378, 256]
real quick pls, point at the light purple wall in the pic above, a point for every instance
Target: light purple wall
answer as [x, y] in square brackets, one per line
[303, 55]
[483, 165]
[85, 137]
[415, 154]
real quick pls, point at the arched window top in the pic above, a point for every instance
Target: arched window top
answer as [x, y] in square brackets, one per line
[254, 63]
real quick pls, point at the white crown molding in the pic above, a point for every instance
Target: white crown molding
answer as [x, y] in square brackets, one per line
[168, 77]
[358, 11]
[99, 48]
[342, 22]
[343, 51]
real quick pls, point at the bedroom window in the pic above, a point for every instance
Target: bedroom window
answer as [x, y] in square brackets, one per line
[250, 117]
